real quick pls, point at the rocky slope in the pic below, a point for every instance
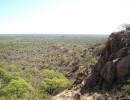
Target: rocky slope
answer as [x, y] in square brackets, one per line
[109, 74]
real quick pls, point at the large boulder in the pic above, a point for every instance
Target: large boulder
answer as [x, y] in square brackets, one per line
[119, 54]
[123, 67]
[108, 71]
[113, 40]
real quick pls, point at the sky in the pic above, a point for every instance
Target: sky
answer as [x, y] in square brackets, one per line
[63, 16]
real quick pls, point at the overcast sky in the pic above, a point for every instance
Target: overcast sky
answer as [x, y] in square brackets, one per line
[63, 16]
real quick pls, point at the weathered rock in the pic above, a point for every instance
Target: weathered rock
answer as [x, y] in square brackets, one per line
[114, 62]
[108, 72]
[113, 40]
[123, 67]
[121, 53]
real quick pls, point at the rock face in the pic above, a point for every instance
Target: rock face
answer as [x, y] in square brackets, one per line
[123, 67]
[114, 62]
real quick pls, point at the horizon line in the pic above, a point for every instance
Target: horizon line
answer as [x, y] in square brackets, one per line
[50, 34]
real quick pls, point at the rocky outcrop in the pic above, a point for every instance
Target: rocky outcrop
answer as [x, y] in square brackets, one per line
[112, 66]
[123, 67]
[114, 62]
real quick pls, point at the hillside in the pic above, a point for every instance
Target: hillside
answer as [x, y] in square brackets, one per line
[109, 78]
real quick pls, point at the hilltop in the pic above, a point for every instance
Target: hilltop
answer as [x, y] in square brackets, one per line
[109, 77]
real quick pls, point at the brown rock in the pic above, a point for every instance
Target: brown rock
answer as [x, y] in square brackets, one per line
[123, 67]
[91, 81]
[119, 54]
[114, 61]
[108, 72]
[113, 40]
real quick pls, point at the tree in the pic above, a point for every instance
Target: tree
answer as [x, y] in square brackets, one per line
[51, 74]
[52, 80]
[50, 85]
[17, 88]
[4, 75]
[124, 27]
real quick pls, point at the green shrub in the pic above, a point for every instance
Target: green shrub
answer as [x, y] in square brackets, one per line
[52, 81]
[4, 75]
[50, 85]
[89, 57]
[12, 68]
[51, 74]
[17, 88]
[127, 88]
[15, 76]
[43, 86]
[98, 50]
[33, 71]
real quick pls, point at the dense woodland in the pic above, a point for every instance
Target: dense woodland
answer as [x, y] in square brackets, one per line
[36, 67]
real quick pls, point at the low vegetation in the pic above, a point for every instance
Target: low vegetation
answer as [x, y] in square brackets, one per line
[52, 82]
[38, 67]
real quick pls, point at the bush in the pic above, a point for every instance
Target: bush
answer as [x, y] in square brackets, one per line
[4, 75]
[52, 81]
[50, 85]
[12, 68]
[12, 86]
[15, 76]
[51, 74]
[89, 57]
[127, 88]
[98, 50]
[17, 88]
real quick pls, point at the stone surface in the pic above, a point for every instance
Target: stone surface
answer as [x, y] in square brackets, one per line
[114, 62]
[123, 67]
